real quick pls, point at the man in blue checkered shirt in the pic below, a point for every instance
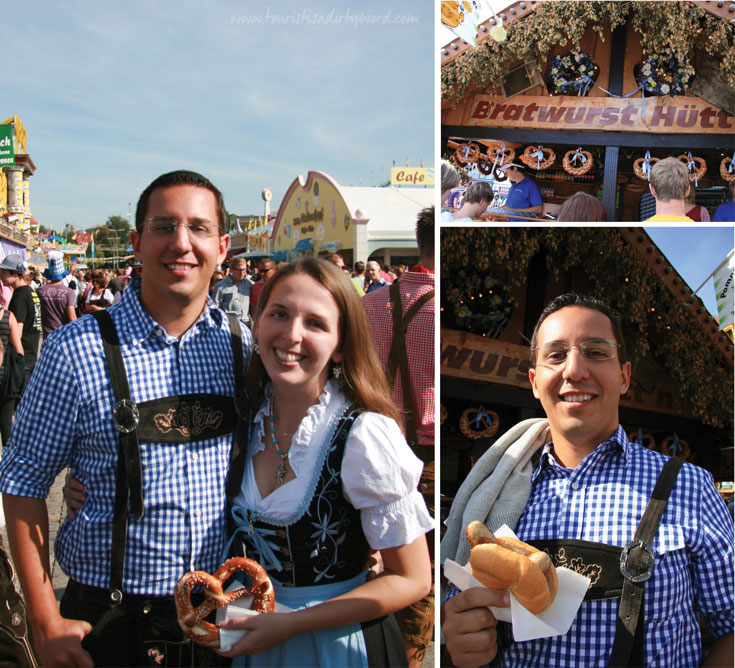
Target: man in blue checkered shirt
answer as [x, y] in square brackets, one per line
[591, 487]
[175, 343]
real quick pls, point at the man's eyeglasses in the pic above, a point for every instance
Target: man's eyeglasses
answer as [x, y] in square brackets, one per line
[166, 227]
[556, 353]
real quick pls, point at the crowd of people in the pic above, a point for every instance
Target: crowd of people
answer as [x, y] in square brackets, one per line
[669, 198]
[202, 418]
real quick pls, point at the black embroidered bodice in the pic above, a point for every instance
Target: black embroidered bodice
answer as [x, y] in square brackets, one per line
[326, 544]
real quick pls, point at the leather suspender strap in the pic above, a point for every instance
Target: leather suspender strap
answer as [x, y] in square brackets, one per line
[398, 357]
[129, 485]
[636, 565]
[242, 408]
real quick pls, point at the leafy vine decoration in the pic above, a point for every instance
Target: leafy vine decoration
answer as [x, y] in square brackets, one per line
[663, 26]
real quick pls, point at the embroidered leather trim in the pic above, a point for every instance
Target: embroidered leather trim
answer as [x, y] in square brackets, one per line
[578, 565]
[188, 420]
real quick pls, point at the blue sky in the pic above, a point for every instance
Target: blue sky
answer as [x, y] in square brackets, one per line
[250, 94]
[695, 253]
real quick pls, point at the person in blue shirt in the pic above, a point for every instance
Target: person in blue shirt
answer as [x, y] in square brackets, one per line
[725, 213]
[524, 195]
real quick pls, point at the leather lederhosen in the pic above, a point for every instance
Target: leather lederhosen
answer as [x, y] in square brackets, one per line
[177, 419]
[620, 572]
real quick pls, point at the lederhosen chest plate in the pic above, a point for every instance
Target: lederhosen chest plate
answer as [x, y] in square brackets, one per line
[326, 544]
[620, 572]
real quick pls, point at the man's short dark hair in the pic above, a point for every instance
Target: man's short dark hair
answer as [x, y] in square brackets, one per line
[585, 301]
[425, 231]
[477, 191]
[360, 267]
[181, 177]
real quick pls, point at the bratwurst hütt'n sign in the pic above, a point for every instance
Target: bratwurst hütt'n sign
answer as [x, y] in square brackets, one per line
[663, 114]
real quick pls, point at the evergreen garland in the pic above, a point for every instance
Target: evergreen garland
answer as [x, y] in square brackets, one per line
[663, 26]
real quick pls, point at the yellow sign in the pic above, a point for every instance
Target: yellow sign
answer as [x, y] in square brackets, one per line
[313, 209]
[411, 176]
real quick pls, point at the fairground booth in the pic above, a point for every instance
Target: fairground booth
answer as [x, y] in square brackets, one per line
[589, 95]
[495, 282]
[317, 215]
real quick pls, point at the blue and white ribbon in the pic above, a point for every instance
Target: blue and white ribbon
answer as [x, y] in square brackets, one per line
[647, 165]
[579, 154]
[539, 154]
[692, 166]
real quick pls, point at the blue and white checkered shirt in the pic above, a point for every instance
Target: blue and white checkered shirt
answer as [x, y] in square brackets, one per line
[65, 419]
[602, 500]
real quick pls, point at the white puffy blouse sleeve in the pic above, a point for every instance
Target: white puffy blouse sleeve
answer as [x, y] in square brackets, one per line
[380, 476]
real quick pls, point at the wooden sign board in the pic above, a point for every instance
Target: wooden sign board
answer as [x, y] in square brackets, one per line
[663, 114]
[473, 357]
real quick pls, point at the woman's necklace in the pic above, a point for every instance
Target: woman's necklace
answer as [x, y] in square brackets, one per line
[281, 470]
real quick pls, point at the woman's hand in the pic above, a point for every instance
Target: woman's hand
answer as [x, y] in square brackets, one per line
[74, 495]
[264, 632]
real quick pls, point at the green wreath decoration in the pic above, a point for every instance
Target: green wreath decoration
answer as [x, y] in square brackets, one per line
[573, 73]
[475, 302]
[664, 74]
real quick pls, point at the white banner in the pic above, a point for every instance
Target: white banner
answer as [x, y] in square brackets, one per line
[723, 277]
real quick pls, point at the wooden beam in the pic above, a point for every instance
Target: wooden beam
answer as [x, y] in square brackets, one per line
[635, 139]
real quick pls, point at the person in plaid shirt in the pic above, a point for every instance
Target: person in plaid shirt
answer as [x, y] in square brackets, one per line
[591, 487]
[417, 621]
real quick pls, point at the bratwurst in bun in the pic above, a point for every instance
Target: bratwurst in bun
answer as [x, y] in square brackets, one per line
[508, 563]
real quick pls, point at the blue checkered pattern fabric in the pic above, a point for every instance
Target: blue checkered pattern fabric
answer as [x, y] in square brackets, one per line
[65, 419]
[602, 500]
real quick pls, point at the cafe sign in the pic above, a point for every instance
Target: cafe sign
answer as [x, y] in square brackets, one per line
[7, 151]
[472, 357]
[411, 176]
[662, 114]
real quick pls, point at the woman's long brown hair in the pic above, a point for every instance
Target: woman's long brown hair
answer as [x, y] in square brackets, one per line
[363, 379]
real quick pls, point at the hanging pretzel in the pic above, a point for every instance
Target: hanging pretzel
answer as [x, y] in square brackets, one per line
[467, 153]
[724, 169]
[478, 423]
[646, 440]
[699, 171]
[673, 446]
[569, 158]
[530, 160]
[484, 164]
[503, 154]
[638, 167]
[191, 620]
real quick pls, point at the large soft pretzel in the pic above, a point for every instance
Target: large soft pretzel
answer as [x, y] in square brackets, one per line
[583, 168]
[191, 620]
[533, 162]
[508, 563]
[638, 167]
[467, 153]
[724, 164]
[504, 156]
[699, 171]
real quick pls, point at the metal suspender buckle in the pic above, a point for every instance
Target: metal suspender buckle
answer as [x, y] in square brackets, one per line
[640, 576]
[125, 416]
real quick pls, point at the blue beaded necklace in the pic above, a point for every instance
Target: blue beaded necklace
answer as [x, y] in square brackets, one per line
[281, 470]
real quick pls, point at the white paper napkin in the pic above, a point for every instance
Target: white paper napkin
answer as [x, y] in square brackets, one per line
[554, 621]
[240, 608]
